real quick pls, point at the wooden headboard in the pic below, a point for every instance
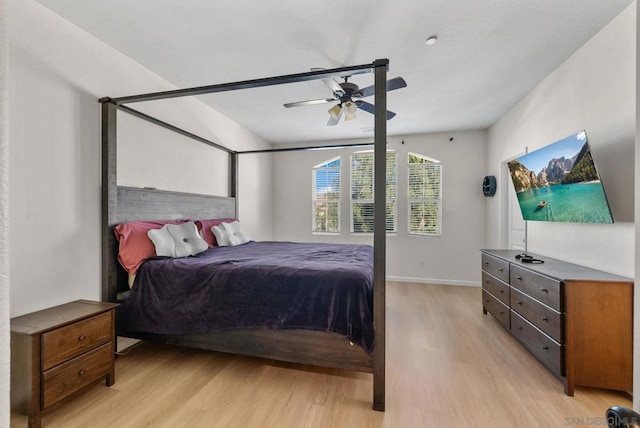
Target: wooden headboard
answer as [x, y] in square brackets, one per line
[135, 204]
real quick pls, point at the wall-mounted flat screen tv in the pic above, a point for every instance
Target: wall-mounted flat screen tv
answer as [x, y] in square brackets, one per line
[559, 182]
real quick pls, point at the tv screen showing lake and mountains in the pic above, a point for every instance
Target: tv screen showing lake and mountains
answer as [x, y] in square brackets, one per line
[559, 182]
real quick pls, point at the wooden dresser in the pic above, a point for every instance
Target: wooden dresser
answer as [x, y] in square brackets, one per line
[577, 321]
[57, 352]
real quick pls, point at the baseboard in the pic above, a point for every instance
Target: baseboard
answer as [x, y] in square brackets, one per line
[435, 281]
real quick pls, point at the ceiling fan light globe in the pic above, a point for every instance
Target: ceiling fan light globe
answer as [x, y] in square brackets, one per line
[350, 109]
[334, 111]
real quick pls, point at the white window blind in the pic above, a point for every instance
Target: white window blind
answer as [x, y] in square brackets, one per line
[326, 197]
[362, 190]
[424, 195]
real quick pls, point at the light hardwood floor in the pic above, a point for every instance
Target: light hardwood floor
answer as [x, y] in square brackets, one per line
[447, 365]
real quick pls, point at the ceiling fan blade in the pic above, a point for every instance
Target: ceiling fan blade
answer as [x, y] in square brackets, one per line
[395, 83]
[330, 82]
[310, 102]
[370, 108]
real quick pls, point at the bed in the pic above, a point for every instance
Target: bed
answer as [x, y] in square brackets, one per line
[344, 345]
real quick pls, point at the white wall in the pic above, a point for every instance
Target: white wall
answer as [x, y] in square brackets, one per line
[57, 74]
[4, 224]
[445, 259]
[593, 90]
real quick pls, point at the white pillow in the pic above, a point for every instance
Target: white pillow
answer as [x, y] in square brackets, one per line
[163, 242]
[177, 240]
[235, 234]
[221, 235]
[230, 234]
[188, 241]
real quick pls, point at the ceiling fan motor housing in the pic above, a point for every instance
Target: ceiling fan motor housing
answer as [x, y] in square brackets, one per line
[350, 90]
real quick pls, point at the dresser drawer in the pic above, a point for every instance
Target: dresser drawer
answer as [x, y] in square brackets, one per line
[542, 288]
[496, 287]
[496, 308]
[66, 342]
[543, 317]
[67, 378]
[496, 267]
[539, 344]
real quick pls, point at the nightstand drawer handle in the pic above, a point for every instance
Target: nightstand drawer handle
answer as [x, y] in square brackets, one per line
[82, 372]
[82, 337]
[545, 348]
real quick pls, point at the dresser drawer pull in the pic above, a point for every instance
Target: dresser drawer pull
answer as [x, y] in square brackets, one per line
[544, 290]
[520, 327]
[519, 278]
[487, 300]
[82, 372]
[82, 337]
[520, 303]
[545, 348]
[545, 319]
[486, 263]
[501, 312]
[486, 282]
[501, 270]
[502, 291]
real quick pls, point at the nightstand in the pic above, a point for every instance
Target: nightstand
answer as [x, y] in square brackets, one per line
[57, 352]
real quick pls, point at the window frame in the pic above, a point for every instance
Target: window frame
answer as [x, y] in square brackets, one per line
[392, 201]
[337, 201]
[424, 200]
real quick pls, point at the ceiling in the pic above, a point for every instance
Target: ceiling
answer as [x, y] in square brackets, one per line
[489, 55]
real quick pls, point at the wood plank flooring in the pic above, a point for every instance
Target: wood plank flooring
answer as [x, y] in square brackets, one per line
[447, 365]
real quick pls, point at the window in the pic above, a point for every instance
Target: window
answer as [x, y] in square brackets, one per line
[362, 216]
[326, 197]
[424, 195]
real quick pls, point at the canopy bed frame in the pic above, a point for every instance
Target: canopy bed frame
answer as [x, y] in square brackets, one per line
[122, 204]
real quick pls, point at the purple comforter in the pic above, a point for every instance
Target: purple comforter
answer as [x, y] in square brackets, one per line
[326, 287]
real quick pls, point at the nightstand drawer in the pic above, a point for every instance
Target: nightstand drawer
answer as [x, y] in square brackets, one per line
[66, 342]
[67, 378]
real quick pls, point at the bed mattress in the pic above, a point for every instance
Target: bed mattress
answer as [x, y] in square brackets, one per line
[270, 285]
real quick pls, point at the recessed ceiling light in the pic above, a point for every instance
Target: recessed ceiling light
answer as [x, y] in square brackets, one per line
[431, 40]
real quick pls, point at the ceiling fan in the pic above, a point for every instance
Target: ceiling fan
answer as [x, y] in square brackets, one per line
[348, 96]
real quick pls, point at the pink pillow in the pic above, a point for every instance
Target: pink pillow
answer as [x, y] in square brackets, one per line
[204, 226]
[134, 244]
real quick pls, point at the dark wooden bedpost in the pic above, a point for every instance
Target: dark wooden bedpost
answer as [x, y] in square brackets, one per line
[109, 199]
[233, 177]
[379, 232]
